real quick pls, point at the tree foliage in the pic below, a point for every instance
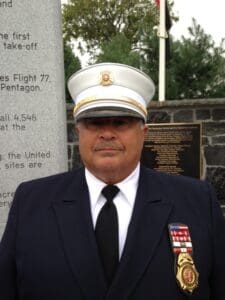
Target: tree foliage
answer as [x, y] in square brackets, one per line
[119, 49]
[96, 22]
[124, 31]
[197, 67]
[71, 65]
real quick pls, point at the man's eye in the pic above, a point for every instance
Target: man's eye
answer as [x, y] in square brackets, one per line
[93, 122]
[121, 123]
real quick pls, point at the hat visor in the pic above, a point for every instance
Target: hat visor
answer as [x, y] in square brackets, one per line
[107, 112]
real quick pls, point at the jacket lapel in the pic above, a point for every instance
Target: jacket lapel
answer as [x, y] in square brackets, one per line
[77, 235]
[149, 219]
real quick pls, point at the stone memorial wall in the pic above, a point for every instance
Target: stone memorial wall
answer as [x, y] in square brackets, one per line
[32, 105]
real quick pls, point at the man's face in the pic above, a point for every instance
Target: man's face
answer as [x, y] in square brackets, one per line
[111, 147]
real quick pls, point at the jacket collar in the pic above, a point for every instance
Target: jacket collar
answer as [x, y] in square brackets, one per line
[78, 240]
[150, 215]
[148, 222]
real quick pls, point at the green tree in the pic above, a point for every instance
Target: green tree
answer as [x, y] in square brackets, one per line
[197, 67]
[123, 31]
[119, 49]
[96, 22]
[150, 56]
[71, 65]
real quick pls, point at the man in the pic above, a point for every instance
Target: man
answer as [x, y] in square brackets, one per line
[157, 236]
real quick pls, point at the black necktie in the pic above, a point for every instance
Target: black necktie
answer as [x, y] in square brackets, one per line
[106, 232]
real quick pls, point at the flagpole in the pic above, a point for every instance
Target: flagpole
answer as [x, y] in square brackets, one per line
[162, 50]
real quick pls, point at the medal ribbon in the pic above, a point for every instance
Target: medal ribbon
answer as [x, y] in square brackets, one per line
[180, 239]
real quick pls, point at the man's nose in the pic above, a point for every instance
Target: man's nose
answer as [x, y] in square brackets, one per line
[107, 131]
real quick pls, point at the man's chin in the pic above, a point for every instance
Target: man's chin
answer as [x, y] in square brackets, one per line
[108, 163]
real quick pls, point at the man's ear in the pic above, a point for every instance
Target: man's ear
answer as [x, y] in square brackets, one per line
[76, 129]
[146, 129]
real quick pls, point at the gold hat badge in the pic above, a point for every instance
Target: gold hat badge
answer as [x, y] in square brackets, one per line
[106, 78]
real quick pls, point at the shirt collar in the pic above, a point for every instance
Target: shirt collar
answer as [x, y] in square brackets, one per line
[95, 187]
[128, 187]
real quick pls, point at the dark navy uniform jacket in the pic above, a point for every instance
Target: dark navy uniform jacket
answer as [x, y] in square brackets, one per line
[49, 252]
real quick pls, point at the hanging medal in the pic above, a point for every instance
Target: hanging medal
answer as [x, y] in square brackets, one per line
[186, 274]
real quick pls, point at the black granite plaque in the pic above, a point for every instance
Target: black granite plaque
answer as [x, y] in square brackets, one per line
[174, 148]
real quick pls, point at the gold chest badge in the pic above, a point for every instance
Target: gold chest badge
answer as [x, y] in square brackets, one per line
[186, 273]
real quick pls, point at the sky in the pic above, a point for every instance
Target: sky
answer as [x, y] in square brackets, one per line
[210, 14]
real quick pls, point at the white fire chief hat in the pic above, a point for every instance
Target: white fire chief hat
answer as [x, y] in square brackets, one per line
[110, 89]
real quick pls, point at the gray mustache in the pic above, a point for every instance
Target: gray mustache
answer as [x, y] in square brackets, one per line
[107, 145]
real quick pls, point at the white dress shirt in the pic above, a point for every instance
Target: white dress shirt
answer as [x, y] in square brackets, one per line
[124, 200]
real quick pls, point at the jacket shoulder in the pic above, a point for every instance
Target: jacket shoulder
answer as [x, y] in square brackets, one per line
[173, 180]
[179, 188]
[54, 179]
[50, 187]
